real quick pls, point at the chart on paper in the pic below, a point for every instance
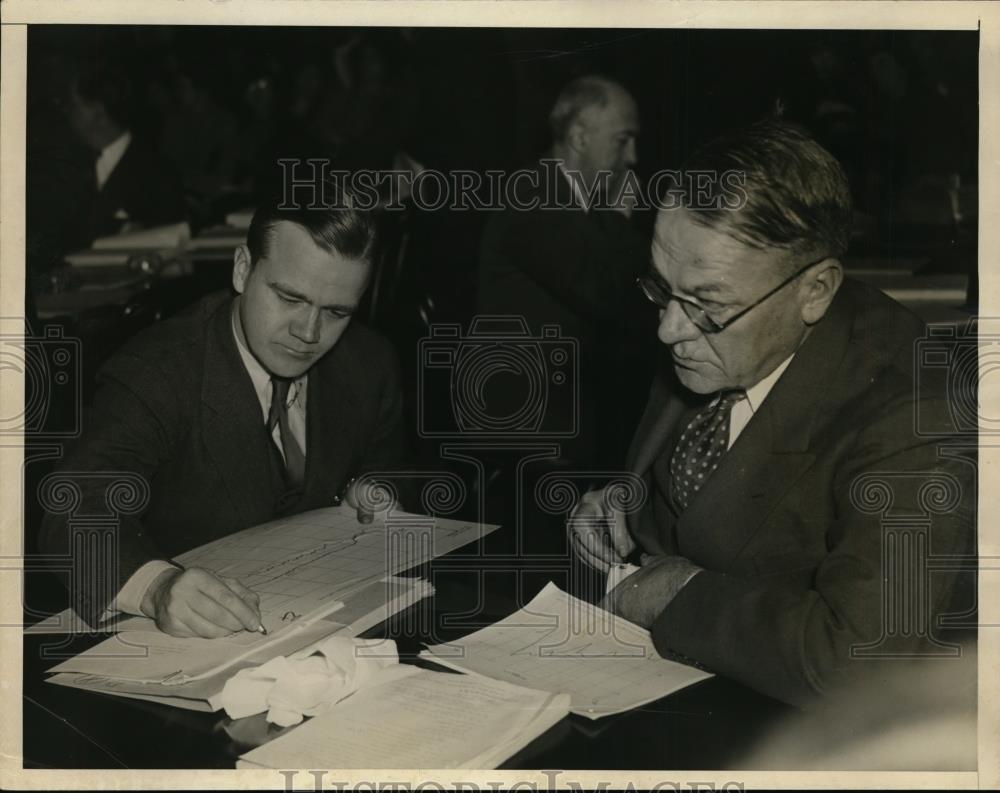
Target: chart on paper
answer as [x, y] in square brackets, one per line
[561, 644]
[301, 564]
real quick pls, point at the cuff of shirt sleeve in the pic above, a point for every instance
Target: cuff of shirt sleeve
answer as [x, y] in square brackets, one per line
[129, 597]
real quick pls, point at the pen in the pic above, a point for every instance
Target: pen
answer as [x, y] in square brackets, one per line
[261, 629]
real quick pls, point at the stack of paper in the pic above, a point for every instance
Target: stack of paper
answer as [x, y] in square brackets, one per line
[423, 720]
[559, 643]
[174, 235]
[317, 573]
[143, 662]
[116, 250]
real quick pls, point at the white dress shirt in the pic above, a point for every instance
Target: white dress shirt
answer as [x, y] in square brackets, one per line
[739, 417]
[110, 156]
[578, 194]
[130, 596]
[743, 410]
[296, 403]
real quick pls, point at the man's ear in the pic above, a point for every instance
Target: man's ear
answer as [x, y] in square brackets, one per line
[818, 289]
[577, 137]
[241, 268]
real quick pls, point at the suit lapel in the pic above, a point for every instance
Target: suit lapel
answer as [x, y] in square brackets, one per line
[332, 428]
[234, 431]
[770, 455]
[670, 407]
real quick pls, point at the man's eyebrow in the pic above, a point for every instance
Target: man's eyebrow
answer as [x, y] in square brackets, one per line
[702, 290]
[290, 292]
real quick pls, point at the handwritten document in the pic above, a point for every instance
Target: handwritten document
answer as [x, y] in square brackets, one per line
[155, 659]
[423, 720]
[301, 564]
[559, 643]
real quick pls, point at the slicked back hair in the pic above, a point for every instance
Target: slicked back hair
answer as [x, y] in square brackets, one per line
[334, 225]
[797, 194]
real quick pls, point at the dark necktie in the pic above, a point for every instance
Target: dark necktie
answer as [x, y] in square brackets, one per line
[700, 448]
[295, 461]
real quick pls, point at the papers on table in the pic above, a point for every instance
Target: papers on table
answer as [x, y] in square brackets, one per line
[421, 720]
[317, 573]
[219, 238]
[301, 563]
[559, 643]
[240, 219]
[116, 250]
[147, 664]
[174, 235]
[315, 558]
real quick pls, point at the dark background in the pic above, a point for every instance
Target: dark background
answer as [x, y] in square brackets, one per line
[899, 109]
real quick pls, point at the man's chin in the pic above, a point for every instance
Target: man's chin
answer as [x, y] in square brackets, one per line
[287, 367]
[696, 381]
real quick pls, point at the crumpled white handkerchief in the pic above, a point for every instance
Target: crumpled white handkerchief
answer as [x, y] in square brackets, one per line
[289, 688]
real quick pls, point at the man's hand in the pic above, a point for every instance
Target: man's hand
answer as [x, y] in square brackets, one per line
[374, 497]
[196, 602]
[643, 595]
[598, 533]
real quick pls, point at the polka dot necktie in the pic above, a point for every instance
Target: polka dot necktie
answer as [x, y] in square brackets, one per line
[700, 448]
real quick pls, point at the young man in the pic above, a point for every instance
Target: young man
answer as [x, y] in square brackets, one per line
[244, 409]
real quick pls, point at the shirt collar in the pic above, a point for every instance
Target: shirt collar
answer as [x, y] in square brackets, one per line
[757, 393]
[260, 377]
[111, 154]
[577, 191]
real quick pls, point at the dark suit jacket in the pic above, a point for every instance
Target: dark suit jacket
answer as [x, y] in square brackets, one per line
[559, 265]
[176, 408]
[144, 186]
[791, 541]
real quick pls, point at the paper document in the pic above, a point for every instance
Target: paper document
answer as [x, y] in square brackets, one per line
[170, 236]
[156, 657]
[218, 237]
[140, 653]
[424, 720]
[300, 564]
[559, 643]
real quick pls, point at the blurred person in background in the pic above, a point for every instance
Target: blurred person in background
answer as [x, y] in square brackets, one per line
[132, 185]
[572, 262]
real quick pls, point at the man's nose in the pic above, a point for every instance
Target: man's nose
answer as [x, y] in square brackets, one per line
[675, 326]
[306, 325]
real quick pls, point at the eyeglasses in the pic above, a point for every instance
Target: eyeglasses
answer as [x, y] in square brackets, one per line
[660, 295]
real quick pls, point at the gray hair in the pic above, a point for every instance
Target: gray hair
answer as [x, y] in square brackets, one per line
[592, 90]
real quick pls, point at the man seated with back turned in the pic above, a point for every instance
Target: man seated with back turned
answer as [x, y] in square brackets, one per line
[239, 411]
[759, 556]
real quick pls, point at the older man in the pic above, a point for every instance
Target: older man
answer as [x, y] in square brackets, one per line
[566, 253]
[790, 394]
[242, 410]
